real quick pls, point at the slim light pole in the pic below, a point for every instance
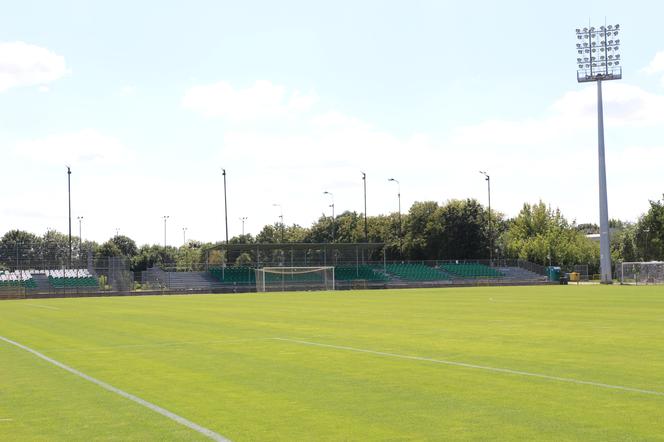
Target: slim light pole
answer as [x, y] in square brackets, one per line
[366, 229]
[488, 186]
[225, 204]
[80, 236]
[399, 199]
[598, 59]
[69, 196]
[281, 217]
[165, 218]
[332, 206]
[243, 219]
[645, 249]
[184, 235]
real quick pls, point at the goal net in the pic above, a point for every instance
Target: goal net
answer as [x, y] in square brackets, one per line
[642, 273]
[273, 279]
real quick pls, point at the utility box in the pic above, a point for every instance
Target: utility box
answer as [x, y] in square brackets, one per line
[553, 273]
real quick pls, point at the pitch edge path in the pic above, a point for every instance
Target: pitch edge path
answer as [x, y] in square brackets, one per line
[156, 408]
[477, 367]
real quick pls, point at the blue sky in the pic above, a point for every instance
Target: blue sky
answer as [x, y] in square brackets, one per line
[147, 101]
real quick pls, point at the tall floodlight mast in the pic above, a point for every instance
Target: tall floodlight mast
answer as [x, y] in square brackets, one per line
[598, 59]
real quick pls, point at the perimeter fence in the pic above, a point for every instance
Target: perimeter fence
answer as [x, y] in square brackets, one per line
[46, 269]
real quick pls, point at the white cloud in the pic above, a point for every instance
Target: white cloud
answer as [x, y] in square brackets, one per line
[569, 118]
[261, 101]
[552, 156]
[23, 64]
[84, 146]
[656, 65]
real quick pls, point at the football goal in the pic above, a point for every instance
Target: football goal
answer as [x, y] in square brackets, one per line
[273, 279]
[642, 273]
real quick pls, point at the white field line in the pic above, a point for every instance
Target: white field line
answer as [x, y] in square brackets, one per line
[477, 367]
[41, 306]
[156, 408]
[6, 419]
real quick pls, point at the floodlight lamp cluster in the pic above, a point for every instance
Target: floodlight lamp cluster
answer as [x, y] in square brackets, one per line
[598, 56]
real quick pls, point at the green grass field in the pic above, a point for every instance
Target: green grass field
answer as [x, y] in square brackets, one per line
[364, 365]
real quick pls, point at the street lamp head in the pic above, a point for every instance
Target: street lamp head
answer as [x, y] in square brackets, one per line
[223, 171]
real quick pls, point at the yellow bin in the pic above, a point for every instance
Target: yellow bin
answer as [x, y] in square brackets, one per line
[575, 277]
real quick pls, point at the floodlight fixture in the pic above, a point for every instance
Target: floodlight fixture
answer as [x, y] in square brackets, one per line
[223, 173]
[281, 217]
[394, 180]
[331, 195]
[600, 68]
[593, 39]
[165, 219]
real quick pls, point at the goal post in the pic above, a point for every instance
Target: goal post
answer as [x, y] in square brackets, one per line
[642, 273]
[279, 279]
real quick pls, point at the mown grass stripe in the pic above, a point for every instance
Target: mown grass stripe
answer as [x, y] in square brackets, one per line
[156, 408]
[476, 367]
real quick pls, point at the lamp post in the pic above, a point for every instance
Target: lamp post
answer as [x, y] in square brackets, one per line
[645, 249]
[332, 206]
[165, 218]
[488, 185]
[184, 235]
[223, 172]
[399, 200]
[598, 60]
[366, 229]
[69, 197]
[281, 217]
[243, 219]
[80, 236]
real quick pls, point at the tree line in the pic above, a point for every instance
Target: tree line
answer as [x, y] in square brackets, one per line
[456, 229]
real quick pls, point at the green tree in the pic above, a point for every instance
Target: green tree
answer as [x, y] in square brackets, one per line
[423, 231]
[464, 230]
[149, 256]
[542, 235]
[19, 248]
[649, 235]
[126, 245]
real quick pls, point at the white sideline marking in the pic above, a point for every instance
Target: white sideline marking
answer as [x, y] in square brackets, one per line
[156, 408]
[6, 420]
[478, 367]
[42, 306]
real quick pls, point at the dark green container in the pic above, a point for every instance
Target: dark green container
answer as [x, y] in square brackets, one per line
[553, 273]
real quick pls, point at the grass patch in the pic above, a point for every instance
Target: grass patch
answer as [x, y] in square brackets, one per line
[213, 360]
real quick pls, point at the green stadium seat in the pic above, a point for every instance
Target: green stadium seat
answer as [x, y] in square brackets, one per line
[471, 270]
